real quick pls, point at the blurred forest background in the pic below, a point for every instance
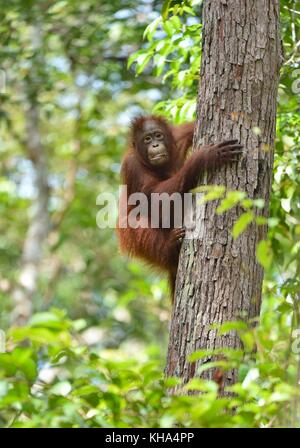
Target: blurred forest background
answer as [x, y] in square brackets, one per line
[95, 325]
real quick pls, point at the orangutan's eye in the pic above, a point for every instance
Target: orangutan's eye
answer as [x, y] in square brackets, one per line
[147, 139]
[159, 136]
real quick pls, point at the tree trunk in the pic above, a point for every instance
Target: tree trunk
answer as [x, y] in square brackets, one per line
[218, 278]
[39, 224]
[38, 227]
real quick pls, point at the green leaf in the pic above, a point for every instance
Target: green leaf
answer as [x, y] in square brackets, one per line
[151, 28]
[229, 326]
[213, 192]
[159, 62]
[58, 7]
[165, 9]
[141, 62]
[259, 203]
[203, 385]
[231, 200]
[131, 59]
[172, 26]
[286, 204]
[285, 307]
[247, 203]
[261, 220]
[248, 340]
[176, 23]
[242, 223]
[86, 390]
[62, 388]
[29, 369]
[264, 253]
[6, 364]
[188, 110]
[199, 354]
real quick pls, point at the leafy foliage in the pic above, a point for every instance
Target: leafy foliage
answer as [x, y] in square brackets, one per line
[53, 379]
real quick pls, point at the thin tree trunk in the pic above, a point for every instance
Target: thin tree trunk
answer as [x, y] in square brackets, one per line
[218, 278]
[39, 223]
[39, 220]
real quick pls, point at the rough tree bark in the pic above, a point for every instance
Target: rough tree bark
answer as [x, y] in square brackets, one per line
[218, 278]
